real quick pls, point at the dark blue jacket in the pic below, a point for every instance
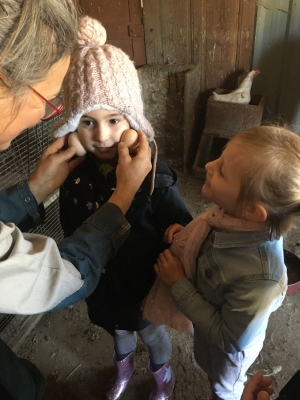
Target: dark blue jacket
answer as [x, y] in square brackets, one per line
[128, 277]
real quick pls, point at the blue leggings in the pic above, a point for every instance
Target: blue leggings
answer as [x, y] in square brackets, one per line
[155, 337]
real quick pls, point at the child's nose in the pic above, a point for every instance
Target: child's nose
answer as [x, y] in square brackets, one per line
[209, 167]
[102, 134]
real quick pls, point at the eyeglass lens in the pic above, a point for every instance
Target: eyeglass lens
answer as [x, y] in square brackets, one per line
[50, 112]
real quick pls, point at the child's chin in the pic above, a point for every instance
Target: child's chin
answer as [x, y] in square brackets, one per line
[204, 189]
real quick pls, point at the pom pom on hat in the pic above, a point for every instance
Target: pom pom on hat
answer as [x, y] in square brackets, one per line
[91, 32]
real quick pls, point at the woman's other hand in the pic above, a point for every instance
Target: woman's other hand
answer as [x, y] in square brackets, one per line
[53, 168]
[131, 172]
[258, 388]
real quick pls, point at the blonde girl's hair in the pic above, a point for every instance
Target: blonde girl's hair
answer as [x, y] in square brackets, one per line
[274, 176]
[34, 34]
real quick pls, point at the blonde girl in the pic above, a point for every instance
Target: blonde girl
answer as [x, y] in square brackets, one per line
[233, 253]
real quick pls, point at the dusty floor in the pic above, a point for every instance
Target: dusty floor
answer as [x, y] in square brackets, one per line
[76, 356]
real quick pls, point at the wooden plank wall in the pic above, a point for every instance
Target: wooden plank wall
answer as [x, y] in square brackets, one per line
[123, 23]
[277, 54]
[217, 34]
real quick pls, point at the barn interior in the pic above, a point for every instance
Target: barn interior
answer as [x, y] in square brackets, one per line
[183, 51]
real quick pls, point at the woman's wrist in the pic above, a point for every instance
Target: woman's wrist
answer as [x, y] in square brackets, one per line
[122, 197]
[39, 191]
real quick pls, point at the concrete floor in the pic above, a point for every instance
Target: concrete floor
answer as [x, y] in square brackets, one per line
[76, 356]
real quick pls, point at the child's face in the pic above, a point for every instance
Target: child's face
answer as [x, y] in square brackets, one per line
[100, 131]
[224, 176]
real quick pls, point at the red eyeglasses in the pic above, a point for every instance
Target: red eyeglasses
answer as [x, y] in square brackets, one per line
[53, 108]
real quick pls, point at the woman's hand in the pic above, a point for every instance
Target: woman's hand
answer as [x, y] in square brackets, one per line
[169, 268]
[258, 388]
[171, 232]
[53, 168]
[131, 172]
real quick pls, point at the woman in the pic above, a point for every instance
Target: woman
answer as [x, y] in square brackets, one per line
[36, 39]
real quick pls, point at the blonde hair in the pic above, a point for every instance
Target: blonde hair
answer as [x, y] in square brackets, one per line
[34, 35]
[274, 176]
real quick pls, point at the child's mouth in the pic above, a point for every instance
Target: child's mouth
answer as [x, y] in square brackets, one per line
[103, 149]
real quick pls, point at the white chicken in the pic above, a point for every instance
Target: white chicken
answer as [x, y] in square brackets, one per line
[240, 95]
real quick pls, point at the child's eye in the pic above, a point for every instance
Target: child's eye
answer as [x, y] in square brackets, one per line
[87, 122]
[114, 120]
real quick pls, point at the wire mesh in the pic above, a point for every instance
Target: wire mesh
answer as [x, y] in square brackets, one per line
[16, 164]
[52, 226]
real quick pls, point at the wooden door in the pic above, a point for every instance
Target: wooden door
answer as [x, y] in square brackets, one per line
[123, 22]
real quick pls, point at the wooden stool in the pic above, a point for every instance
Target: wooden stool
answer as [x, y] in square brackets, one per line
[225, 120]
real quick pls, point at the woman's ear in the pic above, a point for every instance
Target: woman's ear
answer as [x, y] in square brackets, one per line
[4, 80]
[255, 213]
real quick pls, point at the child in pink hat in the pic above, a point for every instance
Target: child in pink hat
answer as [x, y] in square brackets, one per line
[103, 98]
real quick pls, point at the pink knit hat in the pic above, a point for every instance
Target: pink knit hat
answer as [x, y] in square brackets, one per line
[100, 76]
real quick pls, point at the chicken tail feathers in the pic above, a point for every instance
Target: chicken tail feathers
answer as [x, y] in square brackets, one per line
[216, 96]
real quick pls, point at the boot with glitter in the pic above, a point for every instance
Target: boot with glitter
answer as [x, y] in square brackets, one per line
[213, 394]
[123, 373]
[163, 382]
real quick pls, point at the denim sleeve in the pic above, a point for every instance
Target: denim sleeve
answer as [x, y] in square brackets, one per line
[18, 205]
[91, 246]
[243, 316]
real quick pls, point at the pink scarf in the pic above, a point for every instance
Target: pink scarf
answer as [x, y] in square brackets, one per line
[160, 308]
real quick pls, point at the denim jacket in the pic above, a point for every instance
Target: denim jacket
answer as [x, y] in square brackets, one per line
[240, 280]
[18, 205]
[36, 275]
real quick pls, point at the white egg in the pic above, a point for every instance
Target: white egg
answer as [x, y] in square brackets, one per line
[73, 140]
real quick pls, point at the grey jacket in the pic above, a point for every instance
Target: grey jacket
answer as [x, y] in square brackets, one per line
[240, 280]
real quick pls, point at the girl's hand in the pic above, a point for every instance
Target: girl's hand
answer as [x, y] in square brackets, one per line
[258, 388]
[169, 268]
[53, 168]
[171, 232]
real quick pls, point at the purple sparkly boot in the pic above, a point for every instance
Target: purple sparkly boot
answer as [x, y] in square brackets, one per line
[163, 380]
[124, 371]
[213, 394]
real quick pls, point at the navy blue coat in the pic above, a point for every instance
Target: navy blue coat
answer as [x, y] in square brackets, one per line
[128, 277]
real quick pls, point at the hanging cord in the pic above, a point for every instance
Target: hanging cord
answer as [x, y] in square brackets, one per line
[153, 166]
